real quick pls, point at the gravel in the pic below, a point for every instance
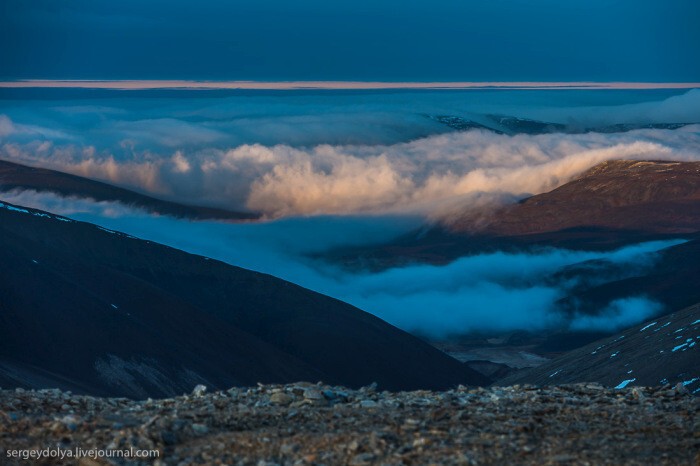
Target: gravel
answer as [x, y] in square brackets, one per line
[318, 424]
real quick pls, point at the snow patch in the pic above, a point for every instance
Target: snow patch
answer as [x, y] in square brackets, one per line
[664, 325]
[679, 347]
[36, 214]
[624, 383]
[646, 327]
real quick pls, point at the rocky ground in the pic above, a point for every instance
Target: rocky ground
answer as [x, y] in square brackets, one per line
[318, 424]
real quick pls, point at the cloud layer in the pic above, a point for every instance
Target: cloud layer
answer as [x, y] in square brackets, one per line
[335, 170]
[338, 154]
[495, 292]
[417, 176]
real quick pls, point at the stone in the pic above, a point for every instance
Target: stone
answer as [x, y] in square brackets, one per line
[199, 390]
[281, 398]
[581, 425]
[313, 394]
[70, 421]
[200, 429]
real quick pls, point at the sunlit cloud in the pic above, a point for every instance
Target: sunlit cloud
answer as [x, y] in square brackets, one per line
[427, 175]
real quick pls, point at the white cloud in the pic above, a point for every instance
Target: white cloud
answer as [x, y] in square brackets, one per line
[620, 313]
[428, 175]
[338, 154]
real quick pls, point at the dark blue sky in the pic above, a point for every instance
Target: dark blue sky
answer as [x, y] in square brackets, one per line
[392, 40]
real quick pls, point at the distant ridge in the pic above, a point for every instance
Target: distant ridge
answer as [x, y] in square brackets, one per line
[14, 176]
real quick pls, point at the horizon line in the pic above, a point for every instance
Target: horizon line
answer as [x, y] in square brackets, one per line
[154, 84]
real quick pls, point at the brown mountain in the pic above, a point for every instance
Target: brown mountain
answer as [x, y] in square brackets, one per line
[14, 176]
[611, 205]
[648, 196]
[101, 312]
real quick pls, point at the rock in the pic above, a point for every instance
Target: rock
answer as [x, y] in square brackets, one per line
[681, 389]
[362, 458]
[462, 426]
[168, 437]
[420, 442]
[638, 394]
[70, 421]
[289, 448]
[200, 429]
[281, 398]
[313, 394]
[88, 462]
[199, 390]
[371, 388]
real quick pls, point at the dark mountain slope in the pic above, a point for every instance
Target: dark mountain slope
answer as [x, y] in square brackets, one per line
[14, 176]
[117, 315]
[672, 280]
[663, 350]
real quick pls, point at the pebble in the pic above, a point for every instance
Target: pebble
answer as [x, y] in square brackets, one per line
[305, 423]
[281, 398]
[200, 429]
[312, 394]
[199, 390]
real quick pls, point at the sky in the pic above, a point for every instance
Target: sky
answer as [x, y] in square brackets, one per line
[382, 40]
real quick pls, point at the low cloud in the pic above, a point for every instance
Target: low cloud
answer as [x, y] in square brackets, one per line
[493, 292]
[68, 206]
[620, 314]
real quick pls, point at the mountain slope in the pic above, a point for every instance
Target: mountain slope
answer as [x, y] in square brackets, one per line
[14, 176]
[660, 351]
[648, 196]
[613, 204]
[110, 314]
[672, 281]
